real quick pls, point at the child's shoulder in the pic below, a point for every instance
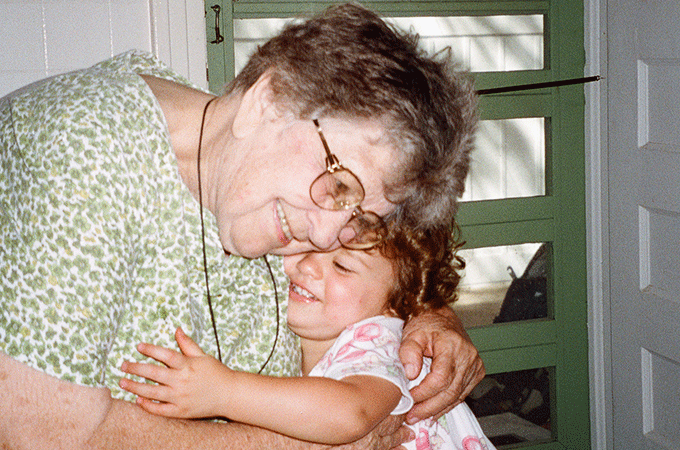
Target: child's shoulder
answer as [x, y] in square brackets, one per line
[375, 324]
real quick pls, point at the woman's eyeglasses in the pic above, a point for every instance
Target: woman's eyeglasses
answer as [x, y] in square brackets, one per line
[338, 189]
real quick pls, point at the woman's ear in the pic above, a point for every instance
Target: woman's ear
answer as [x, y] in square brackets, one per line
[257, 105]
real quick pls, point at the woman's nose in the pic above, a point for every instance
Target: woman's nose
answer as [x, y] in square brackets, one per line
[326, 227]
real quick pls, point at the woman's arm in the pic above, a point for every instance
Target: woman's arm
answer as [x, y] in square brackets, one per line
[456, 365]
[192, 384]
[129, 427]
[42, 412]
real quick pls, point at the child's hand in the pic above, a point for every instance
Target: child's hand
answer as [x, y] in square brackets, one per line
[186, 387]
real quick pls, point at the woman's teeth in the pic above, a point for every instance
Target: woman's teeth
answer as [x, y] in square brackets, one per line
[303, 292]
[284, 222]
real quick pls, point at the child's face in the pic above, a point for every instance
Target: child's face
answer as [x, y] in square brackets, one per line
[330, 291]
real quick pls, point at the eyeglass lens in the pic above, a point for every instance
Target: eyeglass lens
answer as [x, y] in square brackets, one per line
[339, 189]
[366, 230]
[335, 191]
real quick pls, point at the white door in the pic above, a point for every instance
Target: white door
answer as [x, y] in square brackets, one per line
[644, 190]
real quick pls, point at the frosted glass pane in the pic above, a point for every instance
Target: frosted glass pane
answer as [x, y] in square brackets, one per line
[483, 43]
[479, 43]
[508, 161]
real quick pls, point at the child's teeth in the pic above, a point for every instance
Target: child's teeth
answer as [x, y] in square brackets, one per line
[302, 291]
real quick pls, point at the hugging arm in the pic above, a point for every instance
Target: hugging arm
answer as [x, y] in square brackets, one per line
[456, 365]
[192, 384]
[42, 412]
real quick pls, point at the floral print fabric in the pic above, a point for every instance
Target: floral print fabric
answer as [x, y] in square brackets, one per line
[369, 347]
[100, 240]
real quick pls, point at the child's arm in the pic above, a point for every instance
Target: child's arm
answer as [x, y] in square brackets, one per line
[309, 408]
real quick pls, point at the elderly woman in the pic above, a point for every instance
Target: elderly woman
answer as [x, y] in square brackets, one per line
[133, 202]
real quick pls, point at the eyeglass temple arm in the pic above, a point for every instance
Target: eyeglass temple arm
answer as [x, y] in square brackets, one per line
[331, 160]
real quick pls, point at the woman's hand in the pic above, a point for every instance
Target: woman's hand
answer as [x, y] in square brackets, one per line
[456, 365]
[186, 384]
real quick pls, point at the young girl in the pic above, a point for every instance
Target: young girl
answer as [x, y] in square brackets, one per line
[348, 308]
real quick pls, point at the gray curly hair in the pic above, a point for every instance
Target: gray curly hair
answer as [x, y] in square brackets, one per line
[348, 62]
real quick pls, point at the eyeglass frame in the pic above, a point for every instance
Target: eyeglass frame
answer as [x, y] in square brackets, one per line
[333, 165]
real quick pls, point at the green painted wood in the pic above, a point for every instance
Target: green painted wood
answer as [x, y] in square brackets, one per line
[512, 360]
[506, 210]
[572, 421]
[220, 56]
[496, 107]
[495, 234]
[514, 335]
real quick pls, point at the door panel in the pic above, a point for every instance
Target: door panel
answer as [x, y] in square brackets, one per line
[644, 155]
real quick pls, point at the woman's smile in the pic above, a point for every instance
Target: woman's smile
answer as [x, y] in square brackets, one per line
[282, 226]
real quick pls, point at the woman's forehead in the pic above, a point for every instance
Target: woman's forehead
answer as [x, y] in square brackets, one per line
[372, 131]
[362, 146]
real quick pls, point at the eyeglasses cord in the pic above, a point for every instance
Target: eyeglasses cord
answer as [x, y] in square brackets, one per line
[205, 259]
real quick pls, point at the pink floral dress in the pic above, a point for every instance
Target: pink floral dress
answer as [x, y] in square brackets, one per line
[371, 347]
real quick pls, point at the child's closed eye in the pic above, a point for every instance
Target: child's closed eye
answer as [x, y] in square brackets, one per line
[341, 267]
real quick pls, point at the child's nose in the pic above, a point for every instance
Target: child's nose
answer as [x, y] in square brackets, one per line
[310, 266]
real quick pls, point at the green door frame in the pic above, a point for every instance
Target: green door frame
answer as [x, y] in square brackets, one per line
[561, 342]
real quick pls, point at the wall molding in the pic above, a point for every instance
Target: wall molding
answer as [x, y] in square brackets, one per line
[597, 229]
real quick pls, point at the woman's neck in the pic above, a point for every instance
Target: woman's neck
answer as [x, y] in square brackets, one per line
[183, 109]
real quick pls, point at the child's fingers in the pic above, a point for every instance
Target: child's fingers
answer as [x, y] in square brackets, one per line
[150, 391]
[160, 409]
[170, 358]
[187, 345]
[151, 372]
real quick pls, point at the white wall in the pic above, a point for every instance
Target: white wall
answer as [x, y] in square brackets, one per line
[41, 38]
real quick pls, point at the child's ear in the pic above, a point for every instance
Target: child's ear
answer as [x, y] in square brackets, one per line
[257, 105]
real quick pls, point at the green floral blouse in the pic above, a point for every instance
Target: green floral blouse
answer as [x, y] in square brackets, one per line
[100, 241]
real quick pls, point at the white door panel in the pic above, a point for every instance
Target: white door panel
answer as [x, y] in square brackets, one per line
[644, 187]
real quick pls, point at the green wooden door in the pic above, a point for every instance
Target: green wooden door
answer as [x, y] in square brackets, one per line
[526, 191]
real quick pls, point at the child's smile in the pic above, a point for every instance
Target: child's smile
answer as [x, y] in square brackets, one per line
[332, 290]
[298, 293]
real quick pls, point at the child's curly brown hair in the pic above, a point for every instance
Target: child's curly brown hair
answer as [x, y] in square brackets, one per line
[426, 265]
